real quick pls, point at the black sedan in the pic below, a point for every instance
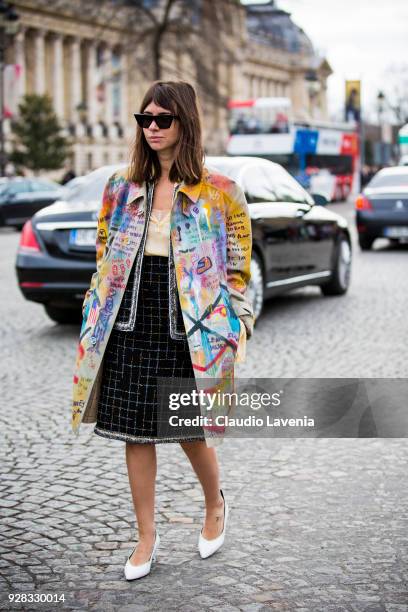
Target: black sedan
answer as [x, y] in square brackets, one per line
[382, 208]
[296, 242]
[21, 198]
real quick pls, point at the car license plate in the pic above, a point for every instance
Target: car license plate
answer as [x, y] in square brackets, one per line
[82, 237]
[396, 232]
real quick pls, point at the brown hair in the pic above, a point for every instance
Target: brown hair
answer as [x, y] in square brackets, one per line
[180, 98]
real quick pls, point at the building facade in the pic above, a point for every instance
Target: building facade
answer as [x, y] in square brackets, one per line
[94, 61]
[280, 61]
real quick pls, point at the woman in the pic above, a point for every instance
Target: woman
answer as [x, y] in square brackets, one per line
[168, 300]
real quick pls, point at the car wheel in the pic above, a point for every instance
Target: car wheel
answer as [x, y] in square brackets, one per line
[365, 242]
[64, 316]
[340, 278]
[256, 285]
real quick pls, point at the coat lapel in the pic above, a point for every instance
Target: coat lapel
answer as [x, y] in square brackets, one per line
[136, 191]
[193, 192]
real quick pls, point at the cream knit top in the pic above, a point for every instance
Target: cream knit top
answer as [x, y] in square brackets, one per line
[157, 243]
[158, 233]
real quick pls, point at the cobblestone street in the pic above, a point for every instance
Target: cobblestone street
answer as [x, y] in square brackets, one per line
[316, 525]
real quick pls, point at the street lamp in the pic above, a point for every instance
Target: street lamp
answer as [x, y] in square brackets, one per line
[8, 27]
[380, 102]
[380, 110]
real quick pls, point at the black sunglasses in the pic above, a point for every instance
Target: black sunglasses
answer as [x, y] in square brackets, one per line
[162, 121]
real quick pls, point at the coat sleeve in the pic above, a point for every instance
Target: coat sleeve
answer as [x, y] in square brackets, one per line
[239, 252]
[103, 223]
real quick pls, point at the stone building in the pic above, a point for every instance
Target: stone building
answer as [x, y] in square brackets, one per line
[279, 60]
[94, 62]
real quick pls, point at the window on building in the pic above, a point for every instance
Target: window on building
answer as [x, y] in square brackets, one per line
[149, 4]
[196, 11]
[99, 56]
[116, 85]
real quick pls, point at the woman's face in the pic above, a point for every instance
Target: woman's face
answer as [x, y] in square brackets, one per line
[160, 139]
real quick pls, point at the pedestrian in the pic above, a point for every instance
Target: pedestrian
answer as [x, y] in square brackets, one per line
[68, 176]
[170, 232]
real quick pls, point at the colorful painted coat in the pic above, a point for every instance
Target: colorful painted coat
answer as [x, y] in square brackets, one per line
[210, 248]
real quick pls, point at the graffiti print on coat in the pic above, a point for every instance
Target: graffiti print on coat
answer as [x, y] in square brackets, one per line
[211, 242]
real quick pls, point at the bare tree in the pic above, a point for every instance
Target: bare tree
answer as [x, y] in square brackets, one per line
[150, 24]
[154, 28]
[397, 94]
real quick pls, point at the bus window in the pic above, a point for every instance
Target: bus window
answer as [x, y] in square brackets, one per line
[336, 164]
[259, 116]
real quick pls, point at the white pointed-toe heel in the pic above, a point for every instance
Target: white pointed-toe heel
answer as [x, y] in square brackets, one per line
[132, 572]
[209, 547]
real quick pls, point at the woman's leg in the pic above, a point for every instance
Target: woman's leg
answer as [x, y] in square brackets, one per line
[142, 468]
[205, 464]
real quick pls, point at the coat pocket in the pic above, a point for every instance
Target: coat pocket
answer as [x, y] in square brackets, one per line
[243, 309]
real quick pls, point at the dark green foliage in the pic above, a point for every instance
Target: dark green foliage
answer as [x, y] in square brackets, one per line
[39, 142]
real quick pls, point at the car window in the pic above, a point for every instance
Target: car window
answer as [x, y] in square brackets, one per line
[91, 188]
[18, 187]
[289, 189]
[87, 191]
[271, 183]
[43, 186]
[389, 180]
[256, 182]
[3, 187]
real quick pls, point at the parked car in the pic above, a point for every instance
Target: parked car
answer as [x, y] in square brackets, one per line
[382, 207]
[21, 198]
[296, 242]
[73, 184]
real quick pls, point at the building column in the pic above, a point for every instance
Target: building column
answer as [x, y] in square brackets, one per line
[257, 89]
[39, 62]
[299, 95]
[58, 75]
[76, 79]
[237, 80]
[124, 109]
[19, 60]
[107, 77]
[91, 82]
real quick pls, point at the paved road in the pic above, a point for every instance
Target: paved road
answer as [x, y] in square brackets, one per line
[316, 525]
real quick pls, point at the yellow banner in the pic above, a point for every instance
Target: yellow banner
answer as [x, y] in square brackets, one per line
[353, 101]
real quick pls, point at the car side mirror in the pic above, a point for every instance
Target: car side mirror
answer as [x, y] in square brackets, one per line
[319, 199]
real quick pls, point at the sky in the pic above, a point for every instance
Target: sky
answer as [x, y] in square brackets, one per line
[362, 39]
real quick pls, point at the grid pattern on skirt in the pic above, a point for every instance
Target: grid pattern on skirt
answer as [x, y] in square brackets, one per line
[128, 407]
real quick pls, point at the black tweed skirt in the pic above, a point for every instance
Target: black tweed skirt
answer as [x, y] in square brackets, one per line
[129, 407]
